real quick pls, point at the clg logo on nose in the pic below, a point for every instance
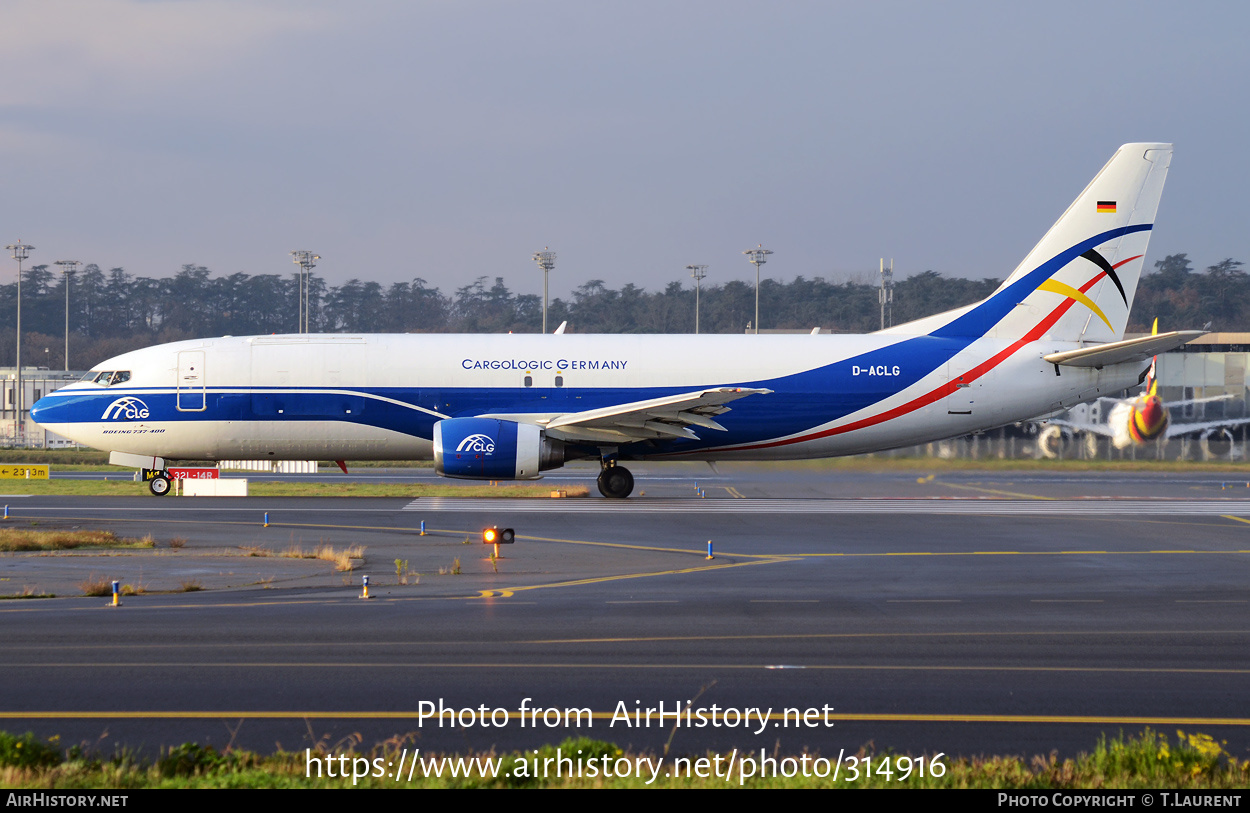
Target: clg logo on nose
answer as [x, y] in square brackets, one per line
[477, 443]
[127, 409]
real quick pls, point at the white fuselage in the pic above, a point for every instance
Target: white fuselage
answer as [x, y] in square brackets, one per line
[378, 396]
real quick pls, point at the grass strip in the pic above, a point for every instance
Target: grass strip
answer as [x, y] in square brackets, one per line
[128, 488]
[26, 539]
[1144, 761]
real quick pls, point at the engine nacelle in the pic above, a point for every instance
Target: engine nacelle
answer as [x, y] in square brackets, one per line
[1138, 421]
[492, 449]
[1053, 442]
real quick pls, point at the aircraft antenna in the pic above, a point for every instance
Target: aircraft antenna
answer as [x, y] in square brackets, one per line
[68, 267]
[698, 272]
[546, 260]
[306, 261]
[757, 256]
[20, 252]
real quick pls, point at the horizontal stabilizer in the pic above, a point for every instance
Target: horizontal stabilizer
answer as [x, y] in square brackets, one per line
[1128, 350]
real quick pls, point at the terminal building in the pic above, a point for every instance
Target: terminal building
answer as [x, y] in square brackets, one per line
[19, 431]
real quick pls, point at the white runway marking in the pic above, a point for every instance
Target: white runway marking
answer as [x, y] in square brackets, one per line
[1050, 508]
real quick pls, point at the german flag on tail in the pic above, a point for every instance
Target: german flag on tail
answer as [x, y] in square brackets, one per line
[1106, 207]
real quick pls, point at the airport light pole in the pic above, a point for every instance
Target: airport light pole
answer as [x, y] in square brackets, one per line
[886, 294]
[546, 260]
[757, 256]
[306, 261]
[68, 267]
[20, 252]
[698, 272]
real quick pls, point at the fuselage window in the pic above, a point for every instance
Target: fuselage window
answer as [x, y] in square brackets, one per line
[559, 381]
[529, 380]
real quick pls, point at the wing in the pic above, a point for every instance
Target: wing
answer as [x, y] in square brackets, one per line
[1170, 404]
[1176, 430]
[674, 416]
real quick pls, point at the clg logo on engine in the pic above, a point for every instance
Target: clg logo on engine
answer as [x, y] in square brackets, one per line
[477, 443]
[125, 409]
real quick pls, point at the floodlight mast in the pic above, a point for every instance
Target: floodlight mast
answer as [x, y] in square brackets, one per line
[886, 294]
[68, 267]
[698, 272]
[20, 252]
[306, 261]
[546, 260]
[757, 256]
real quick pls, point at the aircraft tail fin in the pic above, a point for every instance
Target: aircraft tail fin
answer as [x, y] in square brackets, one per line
[1078, 282]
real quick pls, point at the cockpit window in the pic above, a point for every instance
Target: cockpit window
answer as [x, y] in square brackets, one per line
[108, 378]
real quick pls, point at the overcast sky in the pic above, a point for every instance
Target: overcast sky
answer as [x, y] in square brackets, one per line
[451, 140]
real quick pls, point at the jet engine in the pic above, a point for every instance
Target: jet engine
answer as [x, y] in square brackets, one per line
[1137, 421]
[493, 449]
[1053, 442]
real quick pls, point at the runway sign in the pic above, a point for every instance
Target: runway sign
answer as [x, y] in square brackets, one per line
[23, 472]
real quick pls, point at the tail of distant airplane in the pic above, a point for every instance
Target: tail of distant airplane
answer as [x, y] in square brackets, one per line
[1078, 283]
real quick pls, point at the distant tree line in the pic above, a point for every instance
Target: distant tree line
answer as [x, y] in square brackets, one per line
[113, 311]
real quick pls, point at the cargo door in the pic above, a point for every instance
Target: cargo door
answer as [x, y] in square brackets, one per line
[963, 400]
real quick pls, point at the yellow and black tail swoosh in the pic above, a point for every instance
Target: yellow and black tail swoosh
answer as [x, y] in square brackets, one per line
[1097, 259]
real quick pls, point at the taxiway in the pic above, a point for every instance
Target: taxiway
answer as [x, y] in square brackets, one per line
[963, 612]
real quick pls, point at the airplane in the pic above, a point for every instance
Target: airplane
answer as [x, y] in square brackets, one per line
[1134, 422]
[505, 407]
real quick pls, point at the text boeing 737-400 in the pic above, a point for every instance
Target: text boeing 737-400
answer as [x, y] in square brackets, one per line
[509, 407]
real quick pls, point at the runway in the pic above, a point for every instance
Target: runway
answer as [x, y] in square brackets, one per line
[995, 507]
[967, 613]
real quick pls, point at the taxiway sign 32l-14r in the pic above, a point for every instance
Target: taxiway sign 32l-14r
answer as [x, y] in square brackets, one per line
[509, 407]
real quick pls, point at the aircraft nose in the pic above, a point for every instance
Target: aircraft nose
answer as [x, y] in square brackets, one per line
[37, 409]
[48, 410]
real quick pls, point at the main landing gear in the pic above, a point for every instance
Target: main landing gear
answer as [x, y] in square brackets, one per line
[615, 482]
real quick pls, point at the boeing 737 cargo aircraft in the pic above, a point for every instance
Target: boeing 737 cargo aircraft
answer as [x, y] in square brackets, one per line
[509, 407]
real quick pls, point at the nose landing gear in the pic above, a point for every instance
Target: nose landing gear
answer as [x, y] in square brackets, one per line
[159, 485]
